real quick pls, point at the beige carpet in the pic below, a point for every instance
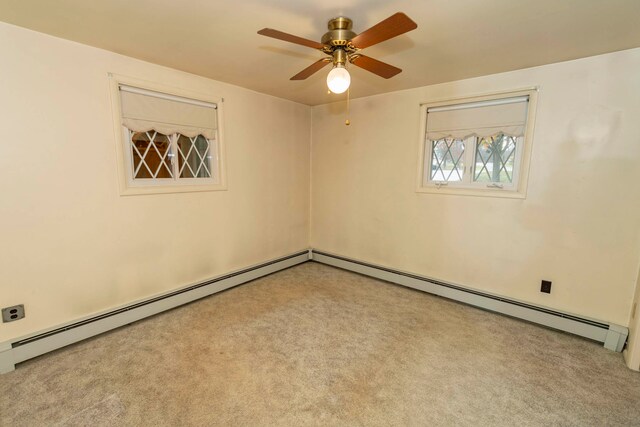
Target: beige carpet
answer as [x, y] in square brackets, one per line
[314, 345]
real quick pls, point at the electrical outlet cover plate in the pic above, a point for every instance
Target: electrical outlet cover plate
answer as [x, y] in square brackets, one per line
[10, 314]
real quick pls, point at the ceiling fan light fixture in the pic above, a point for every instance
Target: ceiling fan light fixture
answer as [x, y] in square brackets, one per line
[338, 79]
[340, 45]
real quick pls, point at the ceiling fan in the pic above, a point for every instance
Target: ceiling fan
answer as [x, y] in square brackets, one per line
[341, 44]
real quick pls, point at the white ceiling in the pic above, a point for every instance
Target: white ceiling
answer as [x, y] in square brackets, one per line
[455, 39]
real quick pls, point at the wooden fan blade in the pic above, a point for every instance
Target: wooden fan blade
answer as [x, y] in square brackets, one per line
[316, 66]
[289, 38]
[376, 67]
[389, 28]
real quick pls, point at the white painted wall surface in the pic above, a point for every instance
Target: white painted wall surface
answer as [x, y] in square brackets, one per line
[579, 225]
[71, 246]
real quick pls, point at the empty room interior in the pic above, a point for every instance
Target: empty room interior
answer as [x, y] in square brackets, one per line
[336, 213]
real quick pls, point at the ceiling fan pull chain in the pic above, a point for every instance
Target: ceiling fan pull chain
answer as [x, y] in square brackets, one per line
[347, 122]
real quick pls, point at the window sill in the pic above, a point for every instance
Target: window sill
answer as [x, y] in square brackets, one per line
[167, 189]
[506, 194]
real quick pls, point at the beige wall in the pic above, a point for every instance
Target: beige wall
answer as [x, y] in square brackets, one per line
[71, 246]
[579, 225]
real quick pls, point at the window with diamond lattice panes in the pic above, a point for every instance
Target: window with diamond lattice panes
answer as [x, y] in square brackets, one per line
[170, 141]
[475, 145]
[194, 159]
[154, 156]
[447, 160]
[151, 152]
[495, 159]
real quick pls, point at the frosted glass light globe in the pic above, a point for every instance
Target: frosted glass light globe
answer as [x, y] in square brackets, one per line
[338, 79]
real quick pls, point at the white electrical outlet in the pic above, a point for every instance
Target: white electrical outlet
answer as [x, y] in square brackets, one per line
[11, 314]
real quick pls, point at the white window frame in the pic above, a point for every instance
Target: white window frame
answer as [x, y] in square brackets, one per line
[130, 186]
[468, 187]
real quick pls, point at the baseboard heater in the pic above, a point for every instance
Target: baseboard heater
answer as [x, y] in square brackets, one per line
[613, 336]
[28, 347]
[25, 348]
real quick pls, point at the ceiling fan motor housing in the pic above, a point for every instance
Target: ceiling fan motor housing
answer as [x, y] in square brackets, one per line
[339, 33]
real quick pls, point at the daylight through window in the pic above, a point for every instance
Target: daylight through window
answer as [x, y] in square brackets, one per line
[475, 145]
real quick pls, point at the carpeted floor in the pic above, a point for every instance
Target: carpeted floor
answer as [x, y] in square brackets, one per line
[314, 345]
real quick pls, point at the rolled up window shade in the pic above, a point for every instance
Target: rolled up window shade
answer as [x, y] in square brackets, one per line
[482, 119]
[144, 110]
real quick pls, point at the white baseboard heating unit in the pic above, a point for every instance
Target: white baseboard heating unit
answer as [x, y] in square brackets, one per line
[613, 336]
[27, 347]
[30, 346]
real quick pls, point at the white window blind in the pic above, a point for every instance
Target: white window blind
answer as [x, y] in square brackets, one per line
[144, 110]
[482, 119]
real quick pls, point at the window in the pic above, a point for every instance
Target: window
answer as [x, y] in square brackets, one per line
[159, 157]
[477, 146]
[169, 142]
